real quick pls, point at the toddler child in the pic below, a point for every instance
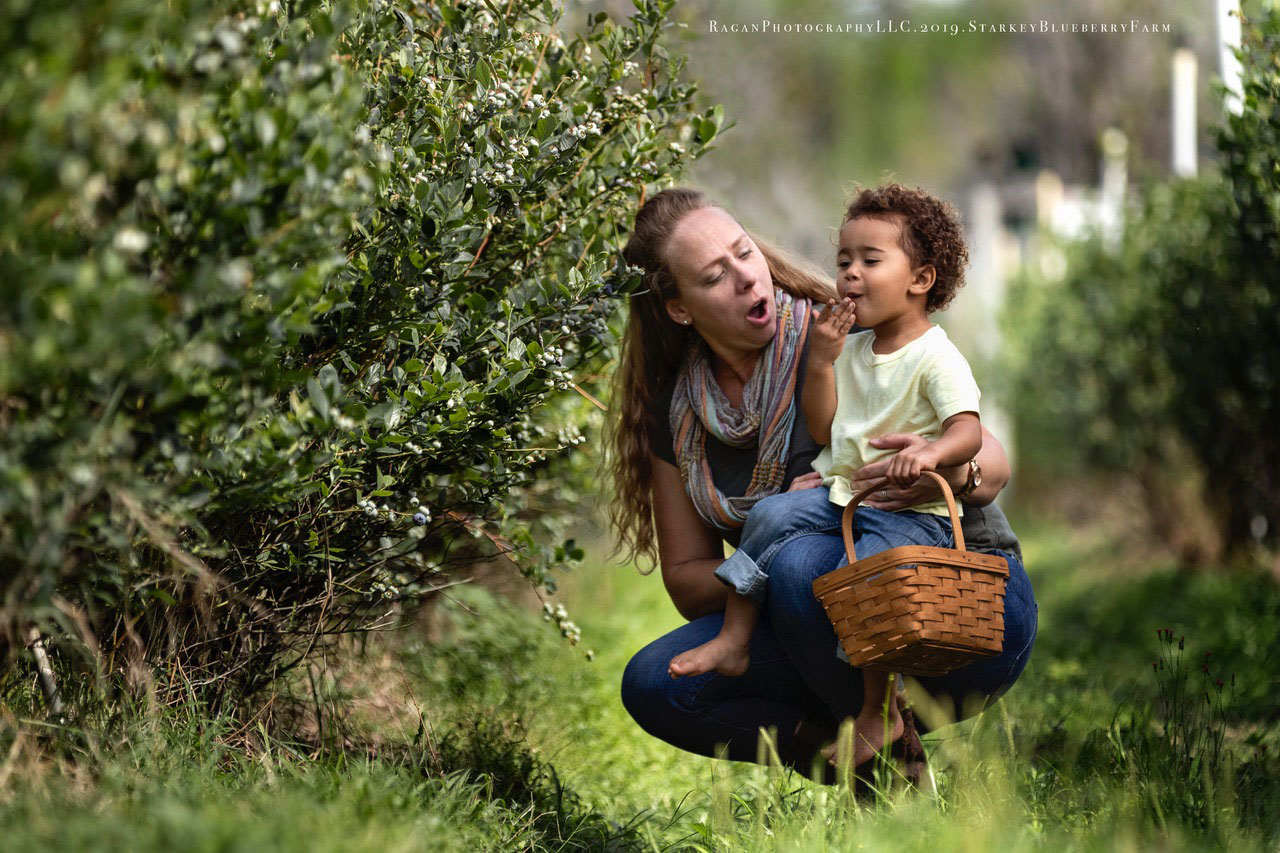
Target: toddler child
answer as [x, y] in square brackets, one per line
[901, 256]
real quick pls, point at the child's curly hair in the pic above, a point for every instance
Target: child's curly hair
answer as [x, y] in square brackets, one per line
[931, 234]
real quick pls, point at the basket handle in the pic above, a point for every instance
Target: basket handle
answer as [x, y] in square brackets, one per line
[846, 521]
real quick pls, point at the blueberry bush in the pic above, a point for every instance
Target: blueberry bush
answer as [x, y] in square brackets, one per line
[302, 305]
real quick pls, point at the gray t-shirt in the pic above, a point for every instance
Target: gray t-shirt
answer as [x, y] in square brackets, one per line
[985, 528]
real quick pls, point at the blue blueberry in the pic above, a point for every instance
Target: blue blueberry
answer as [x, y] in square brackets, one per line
[419, 518]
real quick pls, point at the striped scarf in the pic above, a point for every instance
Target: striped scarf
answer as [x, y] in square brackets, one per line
[768, 414]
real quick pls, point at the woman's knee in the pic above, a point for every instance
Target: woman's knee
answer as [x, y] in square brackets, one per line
[642, 692]
[1020, 610]
[651, 696]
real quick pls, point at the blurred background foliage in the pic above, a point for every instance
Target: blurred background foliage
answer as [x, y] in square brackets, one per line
[1159, 353]
[815, 113]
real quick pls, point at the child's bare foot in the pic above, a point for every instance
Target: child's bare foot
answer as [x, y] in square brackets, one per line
[721, 654]
[869, 734]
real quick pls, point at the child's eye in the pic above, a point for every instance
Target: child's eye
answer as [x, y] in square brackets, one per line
[842, 264]
[872, 261]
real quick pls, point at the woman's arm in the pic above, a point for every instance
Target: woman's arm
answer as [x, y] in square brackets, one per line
[995, 471]
[991, 459]
[688, 549]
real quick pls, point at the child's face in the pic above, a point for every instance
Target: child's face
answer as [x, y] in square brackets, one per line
[877, 274]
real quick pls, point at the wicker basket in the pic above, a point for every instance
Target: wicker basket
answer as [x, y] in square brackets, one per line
[916, 609]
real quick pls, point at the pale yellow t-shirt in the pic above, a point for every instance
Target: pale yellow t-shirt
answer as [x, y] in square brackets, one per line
[911, 390]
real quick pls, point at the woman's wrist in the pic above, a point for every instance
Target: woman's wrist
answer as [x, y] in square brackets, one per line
[994, 467]
[972, 479]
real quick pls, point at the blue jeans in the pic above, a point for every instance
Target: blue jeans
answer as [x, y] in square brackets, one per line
[777, 519]
[793, 678]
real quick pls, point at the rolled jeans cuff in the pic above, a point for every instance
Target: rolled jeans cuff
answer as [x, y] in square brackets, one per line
[742, 573]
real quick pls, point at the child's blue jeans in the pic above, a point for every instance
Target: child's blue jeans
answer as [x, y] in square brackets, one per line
[778, 519]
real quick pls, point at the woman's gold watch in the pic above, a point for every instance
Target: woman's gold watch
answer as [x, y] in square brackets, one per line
[975, 479]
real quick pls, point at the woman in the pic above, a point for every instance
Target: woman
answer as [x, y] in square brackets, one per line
[707, 423]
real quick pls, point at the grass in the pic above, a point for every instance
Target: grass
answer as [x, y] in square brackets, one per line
[499, 735]
[1075, 756]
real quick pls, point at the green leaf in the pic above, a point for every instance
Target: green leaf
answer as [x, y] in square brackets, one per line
[162, 596]
[318, 398]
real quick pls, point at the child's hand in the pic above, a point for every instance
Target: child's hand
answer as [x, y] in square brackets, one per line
[829, 329]
[906, 467]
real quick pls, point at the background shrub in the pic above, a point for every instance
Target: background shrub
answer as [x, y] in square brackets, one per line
[1165, 350]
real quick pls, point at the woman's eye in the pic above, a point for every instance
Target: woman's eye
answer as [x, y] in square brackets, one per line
[745, 253]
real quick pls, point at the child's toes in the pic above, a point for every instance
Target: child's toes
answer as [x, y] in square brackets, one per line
[682, 666]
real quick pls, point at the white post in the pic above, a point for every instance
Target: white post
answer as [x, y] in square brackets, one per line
[1115, 179]
[1228, 43]
[1049, 194]
[984, 291]
[973, 322]
[1184, 113]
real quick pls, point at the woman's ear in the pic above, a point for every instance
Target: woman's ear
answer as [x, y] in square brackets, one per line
[922, 280]
[678, 313]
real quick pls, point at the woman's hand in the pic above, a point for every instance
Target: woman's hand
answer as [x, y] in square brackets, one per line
[810, 480]
[829, 329]
[891, 498]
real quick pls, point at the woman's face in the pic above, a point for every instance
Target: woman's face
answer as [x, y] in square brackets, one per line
[725, 290]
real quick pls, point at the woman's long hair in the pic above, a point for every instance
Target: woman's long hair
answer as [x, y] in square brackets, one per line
[653, 347]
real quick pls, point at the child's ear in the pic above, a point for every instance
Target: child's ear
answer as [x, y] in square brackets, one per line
[922, 280]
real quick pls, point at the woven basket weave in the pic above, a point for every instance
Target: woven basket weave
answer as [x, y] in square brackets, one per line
[916, 609]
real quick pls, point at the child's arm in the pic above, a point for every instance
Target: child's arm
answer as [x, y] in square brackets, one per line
[991, 460]
[818, 402]
[826, 340]
[960, 441]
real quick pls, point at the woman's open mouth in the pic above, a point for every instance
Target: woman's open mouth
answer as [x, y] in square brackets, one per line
[759, 313]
